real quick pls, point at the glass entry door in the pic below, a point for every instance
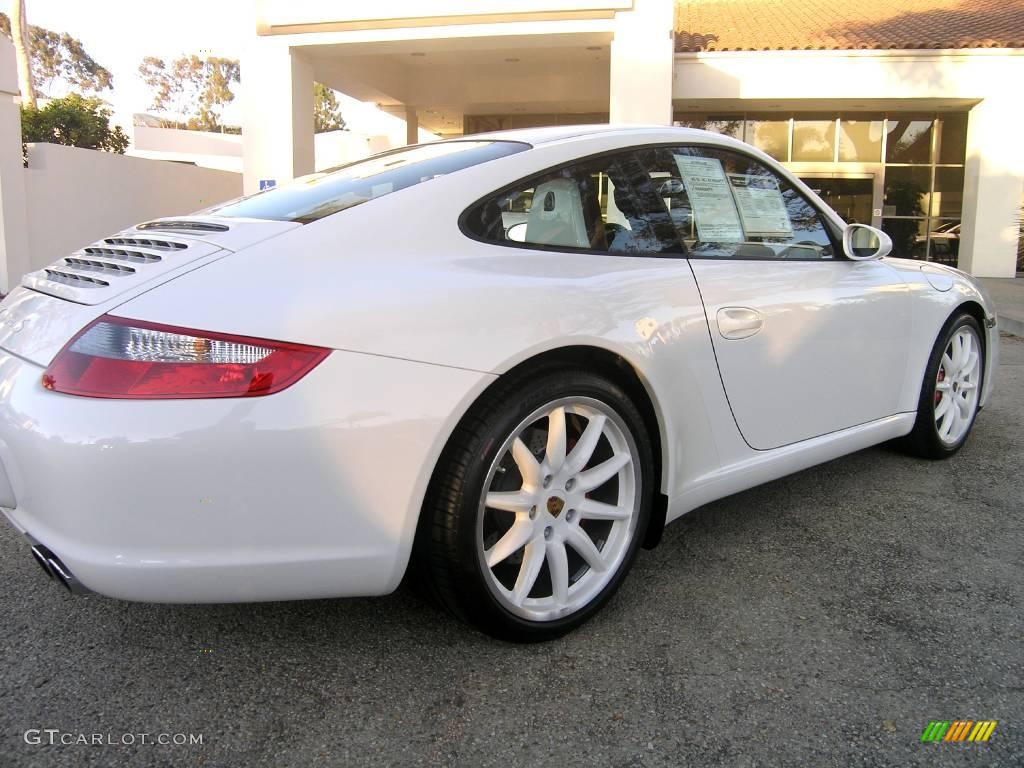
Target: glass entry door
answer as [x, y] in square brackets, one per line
[852, 197]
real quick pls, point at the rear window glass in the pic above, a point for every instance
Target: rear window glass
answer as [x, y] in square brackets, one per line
[320, 194]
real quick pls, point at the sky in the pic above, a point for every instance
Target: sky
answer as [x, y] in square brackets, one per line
[120, 33]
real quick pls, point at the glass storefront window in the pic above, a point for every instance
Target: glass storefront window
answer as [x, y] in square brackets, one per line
[909, 237]
[850, 197]
[951, 144]
[906, 191]
[1020, 236]
[860, 141]
[919, 156]
[814, 140]
[944, 241]
[909, 140]
[729, 126]
[770, 136]
[948, 196]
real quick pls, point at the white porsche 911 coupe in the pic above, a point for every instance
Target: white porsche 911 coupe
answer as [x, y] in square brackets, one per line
[497, 364]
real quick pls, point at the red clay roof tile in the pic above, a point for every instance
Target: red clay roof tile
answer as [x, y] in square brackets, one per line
[755, 25]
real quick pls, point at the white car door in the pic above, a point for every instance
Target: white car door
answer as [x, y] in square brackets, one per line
[807, 342]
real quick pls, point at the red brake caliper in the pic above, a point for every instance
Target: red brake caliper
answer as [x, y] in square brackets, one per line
[940, 377]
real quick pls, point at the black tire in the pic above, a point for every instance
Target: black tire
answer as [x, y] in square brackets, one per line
[446, 556]
[924, 440]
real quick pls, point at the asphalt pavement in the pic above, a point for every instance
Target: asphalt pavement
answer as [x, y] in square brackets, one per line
[824, 619]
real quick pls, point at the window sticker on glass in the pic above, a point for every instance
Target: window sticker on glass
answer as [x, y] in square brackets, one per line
[713, 206]
[761, 206]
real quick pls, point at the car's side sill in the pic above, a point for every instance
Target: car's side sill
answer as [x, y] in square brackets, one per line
[770, 465]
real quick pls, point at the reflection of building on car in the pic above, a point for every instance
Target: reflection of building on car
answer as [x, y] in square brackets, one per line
[944, 245]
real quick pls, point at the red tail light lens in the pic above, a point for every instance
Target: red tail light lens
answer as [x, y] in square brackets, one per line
[118, 358]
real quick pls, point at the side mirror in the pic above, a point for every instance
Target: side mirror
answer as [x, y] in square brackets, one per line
[864, 243]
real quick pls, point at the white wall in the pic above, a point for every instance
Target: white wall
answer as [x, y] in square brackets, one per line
[13, 238]
[335, 148]
[640, 87]
[557, 47]
[222, 151]
[76, 196]
[192, 142]
[277, 110]
[272, 13]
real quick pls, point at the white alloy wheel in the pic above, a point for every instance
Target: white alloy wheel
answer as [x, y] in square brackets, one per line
[559, 509]
[958, 385]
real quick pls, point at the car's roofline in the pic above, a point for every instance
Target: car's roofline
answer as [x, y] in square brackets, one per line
[631, 135]
[556, 134]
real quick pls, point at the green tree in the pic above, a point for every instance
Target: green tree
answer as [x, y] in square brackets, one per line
[192, 91]
[74, 121]
[326, 112]
[60, 63]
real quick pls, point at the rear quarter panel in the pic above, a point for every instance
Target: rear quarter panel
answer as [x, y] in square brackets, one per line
[397, 277]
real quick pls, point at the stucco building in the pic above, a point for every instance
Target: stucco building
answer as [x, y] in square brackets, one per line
[903, 113]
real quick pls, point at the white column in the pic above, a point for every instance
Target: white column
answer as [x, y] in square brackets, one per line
[642, 61]
[412, 126]
[277, 114]
[14, 254]
[993, 182]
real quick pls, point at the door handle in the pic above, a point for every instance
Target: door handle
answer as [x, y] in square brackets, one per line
[739, 322]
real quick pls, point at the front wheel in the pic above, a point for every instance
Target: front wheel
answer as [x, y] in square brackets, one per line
[538, 506]
[951, 391]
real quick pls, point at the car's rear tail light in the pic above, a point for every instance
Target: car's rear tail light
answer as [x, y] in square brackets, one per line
[119, 358]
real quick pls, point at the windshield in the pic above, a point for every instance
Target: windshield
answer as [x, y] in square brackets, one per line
[320, 194]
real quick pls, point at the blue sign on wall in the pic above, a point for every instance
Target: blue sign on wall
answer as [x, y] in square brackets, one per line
[267, 184]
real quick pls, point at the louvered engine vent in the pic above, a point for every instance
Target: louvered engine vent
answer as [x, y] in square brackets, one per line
[97, 265]
[116, 264]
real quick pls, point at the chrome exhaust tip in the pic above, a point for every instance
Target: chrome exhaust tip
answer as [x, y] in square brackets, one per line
[56, 570]
[41, 559]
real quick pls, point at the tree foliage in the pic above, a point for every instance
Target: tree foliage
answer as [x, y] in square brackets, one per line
[326, 112]
[74, 121]
[60, 62]
[191, 89]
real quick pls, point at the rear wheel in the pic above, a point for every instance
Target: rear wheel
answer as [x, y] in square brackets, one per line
[539, 505]
[951, 391]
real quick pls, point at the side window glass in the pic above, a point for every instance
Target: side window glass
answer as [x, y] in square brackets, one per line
[606, 205]
[730, 206]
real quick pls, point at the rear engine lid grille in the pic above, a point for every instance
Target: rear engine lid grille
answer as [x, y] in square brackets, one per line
[184, 225]
[147, 242]
[115, 265]
[65, 277]
[120, 254]
[101, 267]
[137, 259]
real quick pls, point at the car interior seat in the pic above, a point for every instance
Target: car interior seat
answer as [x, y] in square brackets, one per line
[556, 215]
